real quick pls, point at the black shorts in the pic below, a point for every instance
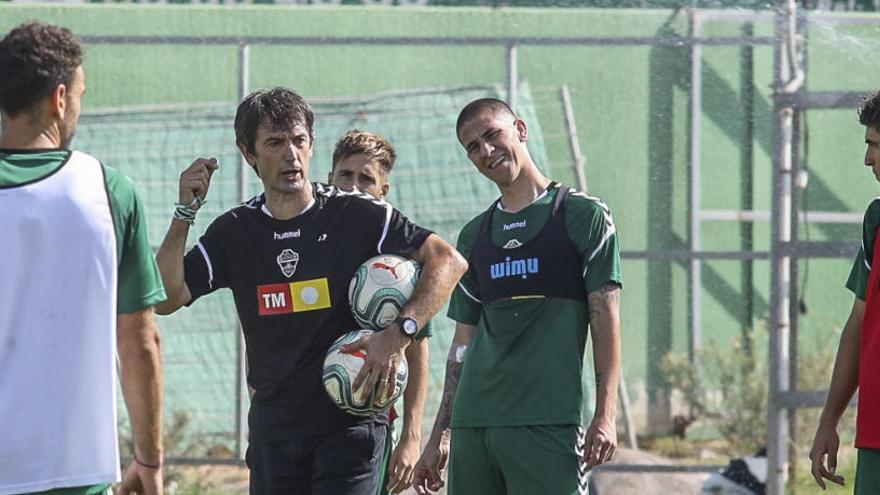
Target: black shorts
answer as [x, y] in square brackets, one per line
[343, 463]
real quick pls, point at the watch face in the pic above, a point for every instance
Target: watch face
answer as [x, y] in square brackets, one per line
[409, 326]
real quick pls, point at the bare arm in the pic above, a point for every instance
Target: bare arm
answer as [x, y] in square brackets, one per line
[604, 308]
[429, 470]
[844, 381]
[454, 364]
[194, 181]
[139, 346]
[416, 390]
[845, 377]
[405, 455]
[170, 261]
[442, 266]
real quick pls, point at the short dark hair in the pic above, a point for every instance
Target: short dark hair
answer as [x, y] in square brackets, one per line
[281, 108]
[476, 107]
[869, 111]
[34, 59]
[367, 143]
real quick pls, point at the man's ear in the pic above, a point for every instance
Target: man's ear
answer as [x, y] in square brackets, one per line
[385, 187]
[249, 158]
[58, 101]
[521, 129]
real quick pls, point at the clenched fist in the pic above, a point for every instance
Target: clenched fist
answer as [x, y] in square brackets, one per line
[195, 180]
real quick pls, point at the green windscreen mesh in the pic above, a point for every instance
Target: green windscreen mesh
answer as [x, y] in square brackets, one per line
[432, 182]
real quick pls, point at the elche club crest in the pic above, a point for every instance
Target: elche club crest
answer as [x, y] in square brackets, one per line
[287, 260]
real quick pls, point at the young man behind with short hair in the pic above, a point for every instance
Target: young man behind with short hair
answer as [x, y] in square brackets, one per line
[363, 161]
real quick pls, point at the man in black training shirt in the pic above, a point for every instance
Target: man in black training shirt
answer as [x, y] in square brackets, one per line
[288, 255]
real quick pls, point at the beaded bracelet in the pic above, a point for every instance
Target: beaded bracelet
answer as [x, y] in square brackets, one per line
[148, 466]
[186, 212]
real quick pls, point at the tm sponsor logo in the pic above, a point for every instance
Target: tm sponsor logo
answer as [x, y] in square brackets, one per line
[514, 268]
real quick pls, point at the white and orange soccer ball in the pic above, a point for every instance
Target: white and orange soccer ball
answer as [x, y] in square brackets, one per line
[340, 371]
[380, 288]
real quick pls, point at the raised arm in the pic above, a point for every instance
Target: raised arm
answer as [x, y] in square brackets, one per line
[432, 464]
[138, 344]
[844, 381]
[604, 310]
[194, 181]
[170, 261]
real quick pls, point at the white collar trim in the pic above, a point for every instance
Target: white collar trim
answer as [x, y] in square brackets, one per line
[501, 207]
[265, 209]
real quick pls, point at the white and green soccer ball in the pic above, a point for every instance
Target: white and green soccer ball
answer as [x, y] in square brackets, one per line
[340, 371]
[380, 288]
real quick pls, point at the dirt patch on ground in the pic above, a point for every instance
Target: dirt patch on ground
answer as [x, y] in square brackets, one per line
[206, 480]
[630, 483]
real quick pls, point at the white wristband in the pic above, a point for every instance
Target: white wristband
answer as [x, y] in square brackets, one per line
[457, 352]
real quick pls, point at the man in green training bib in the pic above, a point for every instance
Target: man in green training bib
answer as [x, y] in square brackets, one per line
[544, 264]
[78, 283]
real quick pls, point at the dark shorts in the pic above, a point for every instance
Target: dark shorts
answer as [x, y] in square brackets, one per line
[867, 472]
[518, 460]
[384, 475]
[343, 463]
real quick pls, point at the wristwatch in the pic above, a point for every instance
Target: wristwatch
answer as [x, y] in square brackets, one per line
[409, 326]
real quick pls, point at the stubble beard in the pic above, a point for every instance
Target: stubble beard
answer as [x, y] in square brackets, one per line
[68, 131]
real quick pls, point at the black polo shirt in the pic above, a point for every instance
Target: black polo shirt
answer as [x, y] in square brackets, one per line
[289, 279]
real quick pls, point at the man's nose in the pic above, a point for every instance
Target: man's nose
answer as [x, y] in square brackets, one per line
[486, 149]
[290, 151]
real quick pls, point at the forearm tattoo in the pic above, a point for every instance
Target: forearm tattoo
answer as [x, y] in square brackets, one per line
[450, 387]
[600, 300]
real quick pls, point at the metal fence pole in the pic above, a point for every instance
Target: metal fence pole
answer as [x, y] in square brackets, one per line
[793, 296]
[695, 193]
[747, 167]
[512, 76]
[573, 140]
[780, 267]
[244, 66]
[241, 406]
[581, 177]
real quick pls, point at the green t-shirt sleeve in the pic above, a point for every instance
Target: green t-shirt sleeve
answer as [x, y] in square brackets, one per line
[464, 305]
[858, 276]
[426, 331]
[861, 269]
[140, 284]
[592, 231]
